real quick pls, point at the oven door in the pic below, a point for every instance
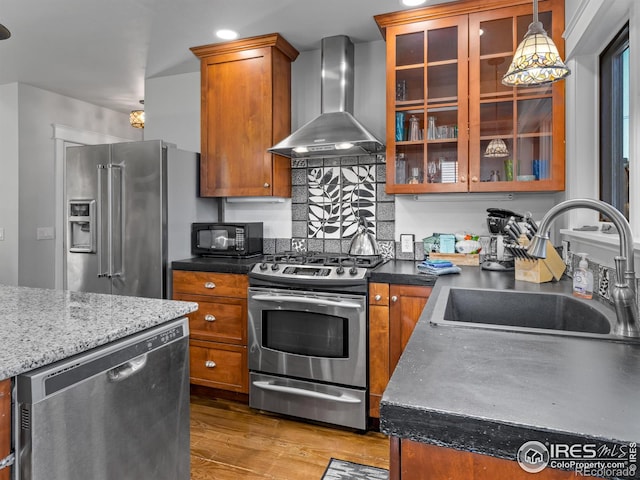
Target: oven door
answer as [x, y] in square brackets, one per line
[308, 335]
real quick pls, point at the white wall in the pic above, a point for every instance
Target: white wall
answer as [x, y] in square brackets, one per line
[591, 24]
[8, 183]
[38, 110]
[172, 110]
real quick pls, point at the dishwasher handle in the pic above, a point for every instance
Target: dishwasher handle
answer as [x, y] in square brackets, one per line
[124, 371]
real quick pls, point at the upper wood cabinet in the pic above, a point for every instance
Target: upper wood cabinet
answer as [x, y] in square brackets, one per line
[246, 109]
[446, 102]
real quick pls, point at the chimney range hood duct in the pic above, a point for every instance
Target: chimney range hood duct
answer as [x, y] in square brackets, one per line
[335, 132]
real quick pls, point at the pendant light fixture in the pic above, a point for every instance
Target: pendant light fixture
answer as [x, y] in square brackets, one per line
[536, 60]
[136, 117]
[496, 148]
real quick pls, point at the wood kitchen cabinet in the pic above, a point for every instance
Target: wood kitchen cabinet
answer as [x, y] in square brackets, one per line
[5, 425]
[218, 329]
[411, 460]
[444, 69]
[246, 109]
[393, 313]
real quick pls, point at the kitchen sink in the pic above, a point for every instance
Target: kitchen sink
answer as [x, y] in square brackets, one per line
[522, 311]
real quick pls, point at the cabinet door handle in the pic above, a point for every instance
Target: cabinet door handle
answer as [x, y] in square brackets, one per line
[210, 285]
[394, 299]
[266, 185]
[209, 318]
[377, 298]
[210, 364]
[463, 179]
[474, 179]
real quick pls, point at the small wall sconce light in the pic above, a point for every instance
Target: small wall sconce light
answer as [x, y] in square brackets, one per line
[136, 117]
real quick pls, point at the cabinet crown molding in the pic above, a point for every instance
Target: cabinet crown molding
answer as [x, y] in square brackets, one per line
[461, 7]
[270, 40]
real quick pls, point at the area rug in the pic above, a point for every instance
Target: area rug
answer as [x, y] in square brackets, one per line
[343, 470]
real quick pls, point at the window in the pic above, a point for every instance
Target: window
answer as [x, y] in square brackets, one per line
[614, 122]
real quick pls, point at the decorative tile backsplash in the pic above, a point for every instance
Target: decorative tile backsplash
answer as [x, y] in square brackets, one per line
[329, 195]
[604, 277]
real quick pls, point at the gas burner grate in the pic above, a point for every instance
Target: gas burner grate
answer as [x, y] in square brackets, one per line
[326, 259]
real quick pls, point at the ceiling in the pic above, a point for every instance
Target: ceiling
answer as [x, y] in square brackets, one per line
[101, 51]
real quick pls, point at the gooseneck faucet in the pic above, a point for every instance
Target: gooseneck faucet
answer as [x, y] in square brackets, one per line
[624, 290]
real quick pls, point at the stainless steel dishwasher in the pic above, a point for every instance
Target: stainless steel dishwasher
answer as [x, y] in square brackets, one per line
[118, 411]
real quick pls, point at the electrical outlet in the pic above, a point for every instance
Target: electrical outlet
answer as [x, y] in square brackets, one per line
[44, 233]
[406, 243]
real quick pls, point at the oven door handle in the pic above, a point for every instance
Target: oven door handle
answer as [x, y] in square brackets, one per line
[309, 300]
[343, 397]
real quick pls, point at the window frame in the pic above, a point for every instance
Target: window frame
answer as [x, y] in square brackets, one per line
[611, 125]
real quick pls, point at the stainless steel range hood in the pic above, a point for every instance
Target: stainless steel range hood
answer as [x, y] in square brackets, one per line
[335, 132]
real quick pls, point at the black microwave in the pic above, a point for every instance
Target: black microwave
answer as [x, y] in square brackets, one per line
[226, 239]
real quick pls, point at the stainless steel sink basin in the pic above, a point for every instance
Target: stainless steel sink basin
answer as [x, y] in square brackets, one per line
[522, 311]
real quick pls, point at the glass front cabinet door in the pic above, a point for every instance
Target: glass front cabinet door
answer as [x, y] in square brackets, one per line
[452, 126]
[427, 137]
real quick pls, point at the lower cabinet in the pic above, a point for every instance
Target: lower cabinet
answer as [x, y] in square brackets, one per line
[411, 460]
[5, 425]
[393, 313]
[218, 329]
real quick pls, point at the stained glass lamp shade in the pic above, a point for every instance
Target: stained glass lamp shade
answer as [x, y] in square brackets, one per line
[536, 60]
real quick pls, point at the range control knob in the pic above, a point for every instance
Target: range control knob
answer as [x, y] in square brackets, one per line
[353, 271]
[340, 270]
[275, 267]
[263, 266]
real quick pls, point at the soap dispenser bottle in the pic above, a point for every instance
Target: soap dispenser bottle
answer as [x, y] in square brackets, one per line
[583, 279]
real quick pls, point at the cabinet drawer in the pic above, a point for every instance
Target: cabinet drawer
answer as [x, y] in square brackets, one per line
[219, 365]
[207, 283]
[380, 290]
[221, 320]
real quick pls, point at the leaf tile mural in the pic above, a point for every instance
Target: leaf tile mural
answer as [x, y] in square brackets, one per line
[358, 198]
[337, 197]
[324, 202]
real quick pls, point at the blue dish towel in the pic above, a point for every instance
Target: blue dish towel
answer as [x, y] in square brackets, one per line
[438, 267]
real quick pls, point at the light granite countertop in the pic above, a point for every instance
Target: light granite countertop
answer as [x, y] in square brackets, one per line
[39, 326]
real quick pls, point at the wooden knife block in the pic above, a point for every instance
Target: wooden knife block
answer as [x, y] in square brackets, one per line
[540, 270]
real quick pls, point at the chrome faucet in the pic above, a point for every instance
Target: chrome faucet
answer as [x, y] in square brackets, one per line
[624, 289]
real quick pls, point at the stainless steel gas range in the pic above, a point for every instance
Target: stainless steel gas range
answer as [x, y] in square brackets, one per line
[308, 336]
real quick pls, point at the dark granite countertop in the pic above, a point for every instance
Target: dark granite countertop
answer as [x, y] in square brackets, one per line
[216, 264]
[392, 271]
[401, 272]
[490, 391]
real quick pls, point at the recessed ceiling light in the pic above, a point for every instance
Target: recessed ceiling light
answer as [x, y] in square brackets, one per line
[413, 3]
[227, 34]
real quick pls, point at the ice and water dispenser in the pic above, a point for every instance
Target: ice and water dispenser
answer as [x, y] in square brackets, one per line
[82, 226]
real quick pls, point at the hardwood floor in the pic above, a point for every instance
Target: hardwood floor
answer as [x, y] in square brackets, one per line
[229, 441]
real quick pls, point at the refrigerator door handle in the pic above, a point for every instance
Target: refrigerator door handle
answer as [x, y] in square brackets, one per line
[103, 234]
[114, 223]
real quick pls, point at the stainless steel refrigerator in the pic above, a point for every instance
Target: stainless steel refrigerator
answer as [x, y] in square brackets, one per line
[129, 208]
